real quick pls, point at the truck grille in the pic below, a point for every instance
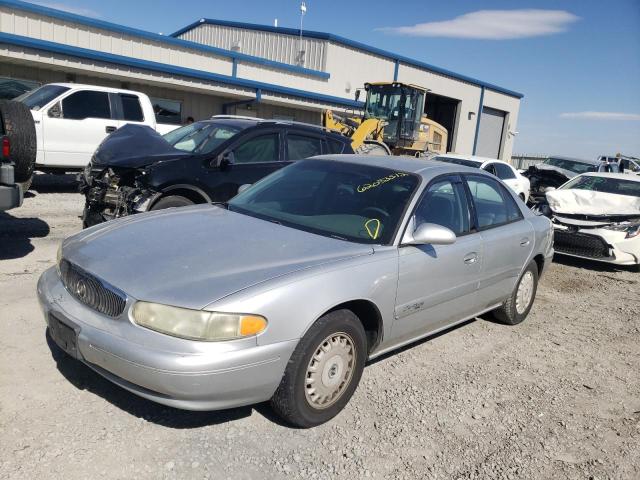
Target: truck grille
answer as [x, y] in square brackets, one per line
[92, 292]
[581, 244]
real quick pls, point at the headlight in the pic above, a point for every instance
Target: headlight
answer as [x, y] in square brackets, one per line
[632, 228]
[197, 324]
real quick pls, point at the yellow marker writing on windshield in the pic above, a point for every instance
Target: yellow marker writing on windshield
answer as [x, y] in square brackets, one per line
[373, 227]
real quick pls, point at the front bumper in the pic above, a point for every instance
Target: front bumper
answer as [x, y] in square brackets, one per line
[597, 244]
[175, 372]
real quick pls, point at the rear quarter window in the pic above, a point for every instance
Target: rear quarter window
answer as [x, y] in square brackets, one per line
[335, 146]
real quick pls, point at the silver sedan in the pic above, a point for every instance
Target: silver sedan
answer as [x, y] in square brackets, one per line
[287, 290]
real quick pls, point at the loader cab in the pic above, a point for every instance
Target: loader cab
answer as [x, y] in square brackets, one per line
[401, 106]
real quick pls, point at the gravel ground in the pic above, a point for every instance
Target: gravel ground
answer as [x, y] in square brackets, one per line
[555, 397]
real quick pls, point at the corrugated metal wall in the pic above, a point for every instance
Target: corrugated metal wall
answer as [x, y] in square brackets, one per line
[273, 46]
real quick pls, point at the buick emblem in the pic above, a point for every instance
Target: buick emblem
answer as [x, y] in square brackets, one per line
[81, 289]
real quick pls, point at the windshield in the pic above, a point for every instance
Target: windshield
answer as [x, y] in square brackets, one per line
[200, 137]
[573, 166]
[38, 98]
[604, 184]
[459, 161]
[358, 203]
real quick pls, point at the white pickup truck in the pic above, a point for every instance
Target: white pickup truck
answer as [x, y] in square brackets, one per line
[71, 120]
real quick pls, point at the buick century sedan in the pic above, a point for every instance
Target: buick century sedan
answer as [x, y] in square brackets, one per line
[286, 291]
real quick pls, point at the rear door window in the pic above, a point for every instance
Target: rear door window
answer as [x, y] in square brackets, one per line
[334, 146]
[493, 203]
[301, 146]
[257, 150]
[86, 104]
[131, 108]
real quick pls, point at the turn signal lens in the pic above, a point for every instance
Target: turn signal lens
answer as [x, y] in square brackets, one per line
[252, 325]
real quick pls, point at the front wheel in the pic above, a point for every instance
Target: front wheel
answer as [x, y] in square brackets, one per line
[516, 308]
[171, 201]
[323, 371]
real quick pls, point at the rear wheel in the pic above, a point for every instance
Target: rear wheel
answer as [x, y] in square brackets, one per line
[323, 371]
[172, 201]
[516, 308]
[21, 131]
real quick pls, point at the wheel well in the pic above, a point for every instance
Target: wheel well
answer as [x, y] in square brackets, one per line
[539, 259]
[192, 195]
[369, 316]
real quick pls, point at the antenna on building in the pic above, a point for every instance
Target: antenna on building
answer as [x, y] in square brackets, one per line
[303, 11]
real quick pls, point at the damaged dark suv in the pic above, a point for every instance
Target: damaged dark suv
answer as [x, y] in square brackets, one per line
[136, 170]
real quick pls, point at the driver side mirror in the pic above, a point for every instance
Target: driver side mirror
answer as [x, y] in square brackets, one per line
[55, 111]
[431, 233]
[226, 159]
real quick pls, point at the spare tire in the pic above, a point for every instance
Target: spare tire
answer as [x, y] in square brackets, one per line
[21, 131]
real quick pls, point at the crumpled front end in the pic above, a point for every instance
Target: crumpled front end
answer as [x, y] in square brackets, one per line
[541, 181]
[113, 192]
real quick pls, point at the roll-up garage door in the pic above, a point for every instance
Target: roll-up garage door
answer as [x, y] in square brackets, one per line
[490, 135]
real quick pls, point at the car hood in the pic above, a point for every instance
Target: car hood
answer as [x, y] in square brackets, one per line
[134, 146]
[587, 202]
[193, 256]
[550, 168]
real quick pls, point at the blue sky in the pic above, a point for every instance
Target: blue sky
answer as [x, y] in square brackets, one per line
[577, 62]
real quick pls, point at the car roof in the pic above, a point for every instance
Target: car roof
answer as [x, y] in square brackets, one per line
[420, 166]
[619, 176]
[471, 158]
[264, 122]
[572, 159]
[99, 88]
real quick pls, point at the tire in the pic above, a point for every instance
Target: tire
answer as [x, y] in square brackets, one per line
[171, 201]
[342, 332]
[26, 185]
[514, 311]
[373, 148]
[20, 128]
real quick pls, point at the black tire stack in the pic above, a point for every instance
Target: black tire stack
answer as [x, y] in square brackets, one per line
[21, 131]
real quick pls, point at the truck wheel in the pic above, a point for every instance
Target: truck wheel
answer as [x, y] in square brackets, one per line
[373, 148]
[323, 371]
[19, 127]
[171, 201]
[516, 308]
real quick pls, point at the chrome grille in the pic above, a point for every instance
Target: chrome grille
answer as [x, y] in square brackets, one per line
[92, 292]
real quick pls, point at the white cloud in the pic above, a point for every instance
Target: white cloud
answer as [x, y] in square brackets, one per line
[601, 115]
[68, 8]
[493, 25]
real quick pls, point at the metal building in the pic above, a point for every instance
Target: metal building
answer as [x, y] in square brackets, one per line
[213, 67]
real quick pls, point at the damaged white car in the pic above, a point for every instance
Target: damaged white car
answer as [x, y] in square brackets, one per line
[597, 216]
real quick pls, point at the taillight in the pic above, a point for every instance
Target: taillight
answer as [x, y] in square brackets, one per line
[5, 147]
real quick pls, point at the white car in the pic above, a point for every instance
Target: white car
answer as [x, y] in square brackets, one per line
[597, 216]
[504, 171]
[72, 120]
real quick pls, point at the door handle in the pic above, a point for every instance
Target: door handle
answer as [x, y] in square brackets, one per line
[110, 129]
[471, 258]
[524, 242]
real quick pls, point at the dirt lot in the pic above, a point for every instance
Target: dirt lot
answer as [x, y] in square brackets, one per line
[556, 397]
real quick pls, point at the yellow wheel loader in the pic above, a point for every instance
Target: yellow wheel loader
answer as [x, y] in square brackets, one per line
[393, 122]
